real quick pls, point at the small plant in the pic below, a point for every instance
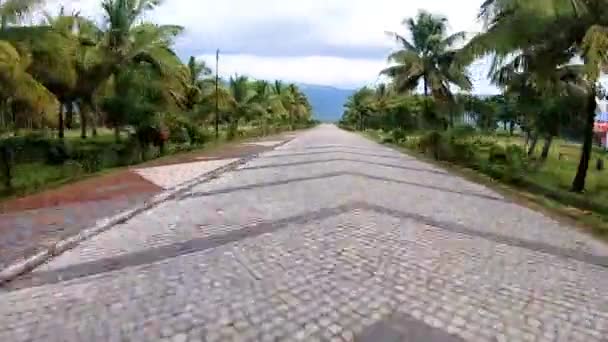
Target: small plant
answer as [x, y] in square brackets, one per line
[398, 135]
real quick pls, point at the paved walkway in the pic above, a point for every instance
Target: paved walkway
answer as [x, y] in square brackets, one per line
[328, 237]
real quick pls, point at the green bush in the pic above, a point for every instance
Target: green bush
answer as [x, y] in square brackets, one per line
[430, 143]
[58, 152]
[90, 157]
[508, 164]
[462, 153]
[197, 135]
[183, 131]
[398, 135]
[497, 154]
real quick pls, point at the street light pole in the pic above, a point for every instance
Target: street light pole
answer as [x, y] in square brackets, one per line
[217, 95]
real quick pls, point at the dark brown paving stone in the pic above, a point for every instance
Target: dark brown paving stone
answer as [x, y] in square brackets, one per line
[404, 328]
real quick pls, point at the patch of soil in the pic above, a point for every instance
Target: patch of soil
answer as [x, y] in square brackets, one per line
[119, 183]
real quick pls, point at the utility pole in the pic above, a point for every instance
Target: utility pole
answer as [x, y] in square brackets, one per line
[217, 95]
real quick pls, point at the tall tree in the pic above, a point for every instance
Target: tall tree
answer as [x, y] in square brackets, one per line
[127, 42]
[429, 57]
[359, 106]
[558, 30]
[197, 70]
[243, 103]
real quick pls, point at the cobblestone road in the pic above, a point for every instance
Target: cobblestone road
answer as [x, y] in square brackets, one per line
[328, 237]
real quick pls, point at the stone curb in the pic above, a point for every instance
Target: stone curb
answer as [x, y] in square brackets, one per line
[22, 266]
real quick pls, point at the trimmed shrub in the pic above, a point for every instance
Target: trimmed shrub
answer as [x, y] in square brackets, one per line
[58, 152]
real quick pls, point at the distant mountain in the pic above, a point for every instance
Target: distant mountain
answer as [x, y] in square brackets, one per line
[327, 102]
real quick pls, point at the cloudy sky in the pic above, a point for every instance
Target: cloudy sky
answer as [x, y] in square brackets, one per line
[330, 42]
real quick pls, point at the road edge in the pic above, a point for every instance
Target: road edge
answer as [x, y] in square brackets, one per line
[25, 265]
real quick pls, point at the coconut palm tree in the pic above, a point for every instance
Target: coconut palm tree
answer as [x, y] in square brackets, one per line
[359, 106]
[20, 45]
[193, 82]
[243, 103]
[429, 57]
[126, 42]
[558, 30]
[18, 87]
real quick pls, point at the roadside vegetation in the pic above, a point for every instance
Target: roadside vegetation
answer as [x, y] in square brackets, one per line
[537, 136]
[78, 96]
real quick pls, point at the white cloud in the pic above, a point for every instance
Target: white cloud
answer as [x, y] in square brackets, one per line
[337, 42]
[340, 22]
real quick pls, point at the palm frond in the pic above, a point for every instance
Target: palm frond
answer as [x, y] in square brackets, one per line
[401, 40]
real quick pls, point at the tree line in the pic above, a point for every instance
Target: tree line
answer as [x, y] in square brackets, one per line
[546, 58]
[69, 70]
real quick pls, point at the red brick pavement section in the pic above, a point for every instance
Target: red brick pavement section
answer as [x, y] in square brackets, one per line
[30, 223]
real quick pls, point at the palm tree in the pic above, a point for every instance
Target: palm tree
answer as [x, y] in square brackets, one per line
[359, 106]
[242, 104]
[559, 31]
[292, 98]
[382, 97]
[265, 98]
[81, 33]
[197, 70]
[19, 45]
[126, 43]
[429, 58]
[18, 87]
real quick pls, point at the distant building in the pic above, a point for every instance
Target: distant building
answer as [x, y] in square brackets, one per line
[600, 127]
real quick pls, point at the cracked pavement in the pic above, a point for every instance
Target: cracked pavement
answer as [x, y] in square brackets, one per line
[329, 237]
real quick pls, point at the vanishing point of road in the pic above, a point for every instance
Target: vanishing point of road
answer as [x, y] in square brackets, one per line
[327, 237]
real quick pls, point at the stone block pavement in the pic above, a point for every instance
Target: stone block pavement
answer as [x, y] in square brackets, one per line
[329, 237]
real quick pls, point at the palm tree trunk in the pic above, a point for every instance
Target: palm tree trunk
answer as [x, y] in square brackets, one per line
[451, 118]
[533, 145]
[116, 133]
[360, 121]
[93, 118]
[511, 127]
[60, 123]
[546, 147]
[84, 112]
[426, 94]
[578, 184]
[69, 115]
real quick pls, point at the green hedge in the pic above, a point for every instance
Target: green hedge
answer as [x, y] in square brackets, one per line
[86, 156]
